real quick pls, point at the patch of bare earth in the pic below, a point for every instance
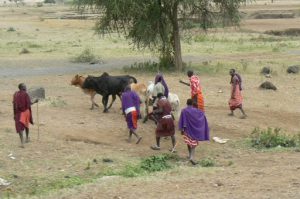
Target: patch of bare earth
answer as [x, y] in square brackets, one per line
[71, 135]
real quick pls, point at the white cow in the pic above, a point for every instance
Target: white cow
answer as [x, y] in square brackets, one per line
[172, 98]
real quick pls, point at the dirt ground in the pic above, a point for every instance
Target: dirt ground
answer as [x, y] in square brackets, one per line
[72, 137]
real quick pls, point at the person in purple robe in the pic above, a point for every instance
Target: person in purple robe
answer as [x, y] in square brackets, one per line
[22, 112]
[131, 110]
[159, 78]
[194, 128]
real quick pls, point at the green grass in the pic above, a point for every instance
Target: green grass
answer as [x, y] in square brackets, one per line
[270, 138]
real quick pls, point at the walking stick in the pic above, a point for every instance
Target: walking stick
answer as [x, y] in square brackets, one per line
[38, 122]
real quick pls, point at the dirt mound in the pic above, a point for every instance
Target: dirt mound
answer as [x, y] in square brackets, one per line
[293, 69]
[265, 70]
[268, 85]
[287, 32]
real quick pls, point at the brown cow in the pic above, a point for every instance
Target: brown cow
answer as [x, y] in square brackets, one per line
[78, 81]
[141, 90]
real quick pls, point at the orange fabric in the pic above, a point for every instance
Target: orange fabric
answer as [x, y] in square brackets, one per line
[237, 100]
[25, 118]
[134, 118]
[200, 101]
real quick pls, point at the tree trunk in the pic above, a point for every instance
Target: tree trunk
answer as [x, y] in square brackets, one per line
[176, 37]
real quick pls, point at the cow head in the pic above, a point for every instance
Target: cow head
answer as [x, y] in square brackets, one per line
[77, 80]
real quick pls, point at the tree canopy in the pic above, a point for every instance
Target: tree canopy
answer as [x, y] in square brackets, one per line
[156, 24]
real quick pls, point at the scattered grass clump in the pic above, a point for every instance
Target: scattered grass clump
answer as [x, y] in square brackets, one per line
[271, 138]
[69, 182]
[155, 163]
[207, 162]
[24, 51]
[57, 102]
[148, 165]
[11, 29]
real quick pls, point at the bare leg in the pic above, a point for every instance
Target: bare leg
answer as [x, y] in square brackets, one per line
[157, 146]
[243, 112]
[173, 144]
[139, 138]
[21, 138]
[173, 140]
[130, 135]
[27, 134]
[189, 149]
[192, 156]
[158, 141]
[231, 114]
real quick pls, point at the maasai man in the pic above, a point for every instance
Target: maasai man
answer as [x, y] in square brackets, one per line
[165, 125]
[194, 127]
[131, 110]
[22, 112]
[236, 99]
[196, 91]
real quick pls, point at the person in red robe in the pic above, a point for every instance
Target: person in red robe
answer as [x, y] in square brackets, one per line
[236, 98]
[196, 90]
[165, 125]
[22, 112]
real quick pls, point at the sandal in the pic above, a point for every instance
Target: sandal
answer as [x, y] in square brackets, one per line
[138, 141]
[155, 147]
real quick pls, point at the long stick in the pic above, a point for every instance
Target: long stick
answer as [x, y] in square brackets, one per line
[187, 84]
[38, 122]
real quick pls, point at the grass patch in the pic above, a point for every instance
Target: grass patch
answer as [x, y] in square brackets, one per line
[207, 162]
[146, 166]
[148, 66]
[271, 138]
[56, 102]
[67, 182]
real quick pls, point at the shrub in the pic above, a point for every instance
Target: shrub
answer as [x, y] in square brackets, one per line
[272, 138]
[87, 56]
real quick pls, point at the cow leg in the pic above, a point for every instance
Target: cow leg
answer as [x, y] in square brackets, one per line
[93, 101]
[104, 102]
[112, 101]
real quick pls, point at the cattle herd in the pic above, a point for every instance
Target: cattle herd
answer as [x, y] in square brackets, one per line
[106, 85]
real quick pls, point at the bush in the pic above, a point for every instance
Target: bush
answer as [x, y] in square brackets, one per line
[86, 56]
[272, 138]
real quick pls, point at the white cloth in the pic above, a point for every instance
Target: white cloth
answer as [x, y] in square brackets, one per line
[130, 109]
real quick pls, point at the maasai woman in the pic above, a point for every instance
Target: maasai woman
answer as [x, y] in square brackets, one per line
[236, 99]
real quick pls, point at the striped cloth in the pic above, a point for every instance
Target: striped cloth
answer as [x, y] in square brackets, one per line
[189, 141]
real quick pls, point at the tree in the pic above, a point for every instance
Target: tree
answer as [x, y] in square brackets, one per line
[156, 24]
